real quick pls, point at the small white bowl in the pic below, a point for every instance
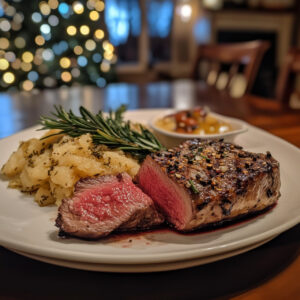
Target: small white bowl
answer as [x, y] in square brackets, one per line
[171, 139]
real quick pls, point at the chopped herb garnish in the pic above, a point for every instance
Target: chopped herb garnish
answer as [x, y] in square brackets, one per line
[193, 187]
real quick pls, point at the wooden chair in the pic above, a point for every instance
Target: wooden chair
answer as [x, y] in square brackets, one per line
[247, 54]
[287, 76]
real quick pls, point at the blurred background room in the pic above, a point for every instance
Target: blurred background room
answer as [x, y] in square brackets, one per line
[117, 46]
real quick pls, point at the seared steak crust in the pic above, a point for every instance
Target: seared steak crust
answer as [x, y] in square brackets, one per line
[213, 181]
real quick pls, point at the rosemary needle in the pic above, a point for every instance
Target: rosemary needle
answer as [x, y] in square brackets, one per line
[110, 130]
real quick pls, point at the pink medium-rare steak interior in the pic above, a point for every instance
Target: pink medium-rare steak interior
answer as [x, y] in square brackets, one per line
[100, 205]
[165, 193]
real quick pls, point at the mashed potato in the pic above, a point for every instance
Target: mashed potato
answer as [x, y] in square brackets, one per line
[50, 168]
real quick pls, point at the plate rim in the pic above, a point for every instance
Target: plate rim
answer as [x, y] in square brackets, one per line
[144, 268]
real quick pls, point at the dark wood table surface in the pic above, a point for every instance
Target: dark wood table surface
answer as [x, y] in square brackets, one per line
[270, 271]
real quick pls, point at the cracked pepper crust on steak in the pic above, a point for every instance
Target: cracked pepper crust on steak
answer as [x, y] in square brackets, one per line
[205, 182]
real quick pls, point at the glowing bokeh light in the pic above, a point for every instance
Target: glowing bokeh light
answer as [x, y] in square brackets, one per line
[101, 82]
[45, 8]
[8, 77]
[27, 57]
[10, 11]
[90, 45]
[53, 20]
[99, 34]
[53, 4]
[26, 67]
[65, 62]
[84, 29]
[36, 17]
[48, 54]
[71, 30]
[78, 50]
[63, 8]
[82, 61]
[4, 64]
[20, 42]
[39, 52]
[60, 47]
[39, 40]
[107, 46]
[104, 66]
[49, 82]
[45, 29]
[78, 7]
[94, 15]
[10, 56]
[27, 85]
[75, 72]
[37, 60]
[18, 18]
[47, 37]
[97, 57]
[66, 76]
[5, 25]
[33, 76]
[99, 5]
[4, 43]
[16, 26]
[108, 55]
[16, 64]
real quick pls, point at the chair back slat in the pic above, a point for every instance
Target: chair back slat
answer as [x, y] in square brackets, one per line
[287, 75]
[248, 55]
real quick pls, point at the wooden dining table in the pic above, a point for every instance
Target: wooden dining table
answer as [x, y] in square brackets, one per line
[270, 271]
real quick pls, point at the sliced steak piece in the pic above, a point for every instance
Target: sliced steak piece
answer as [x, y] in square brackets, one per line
[205, 182]
[101, 205]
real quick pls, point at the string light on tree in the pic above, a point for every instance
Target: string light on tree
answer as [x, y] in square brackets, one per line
[8, 77]
[55, 43]
[4, 64]
[65, 62]
[84, 29]
[78, 7]
[71, 30]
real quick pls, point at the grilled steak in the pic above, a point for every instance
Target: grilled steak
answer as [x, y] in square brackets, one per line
[103, 204]
[205, 182]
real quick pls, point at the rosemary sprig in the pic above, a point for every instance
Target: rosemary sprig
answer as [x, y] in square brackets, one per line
[110, 130]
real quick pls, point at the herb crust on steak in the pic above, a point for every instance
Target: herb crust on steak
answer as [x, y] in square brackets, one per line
[203, 182]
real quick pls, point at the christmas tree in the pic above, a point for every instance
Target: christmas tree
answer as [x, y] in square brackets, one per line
[54, 43]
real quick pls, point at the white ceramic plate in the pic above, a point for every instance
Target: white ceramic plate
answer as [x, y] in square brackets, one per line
[26, 227]
[142, 268]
